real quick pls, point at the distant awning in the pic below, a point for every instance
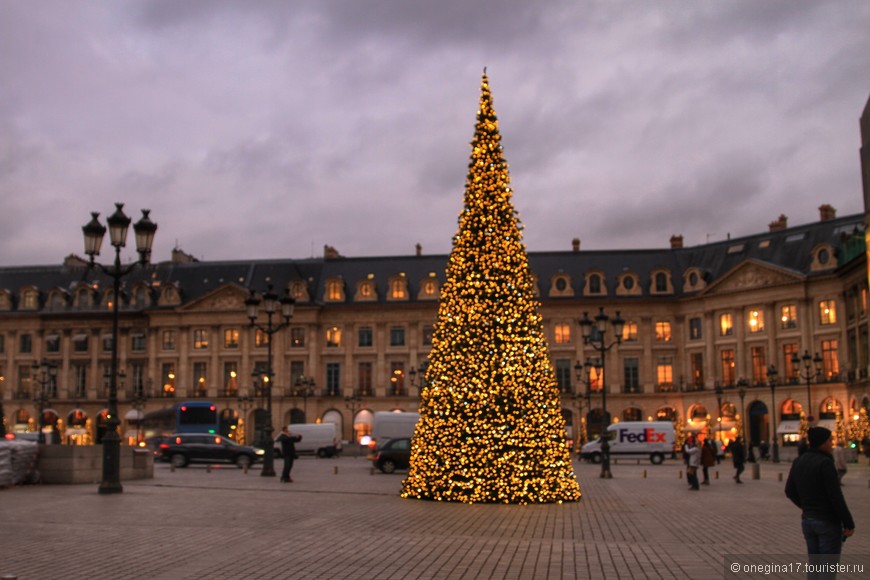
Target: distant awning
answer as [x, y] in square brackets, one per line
[827, 423]
[133, 415]
[52, 336]
[79, 337]
[695, 427]
[789, 427]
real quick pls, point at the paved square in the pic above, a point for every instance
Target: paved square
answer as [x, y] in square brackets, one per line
[339, 520]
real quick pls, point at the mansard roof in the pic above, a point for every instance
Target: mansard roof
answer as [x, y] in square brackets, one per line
[789, 250]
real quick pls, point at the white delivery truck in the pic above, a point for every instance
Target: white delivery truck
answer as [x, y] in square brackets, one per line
[392, 425]
[321, 439]
[653, 439]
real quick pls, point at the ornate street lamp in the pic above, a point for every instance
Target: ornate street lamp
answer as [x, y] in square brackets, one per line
[304, 388]
[270, 303]
[245, 402]
[719, 391]
[94, 232]
[811, 372]
[741, 392]
[46, 380]
[772, 376]
[583, 378]
[414, 373]
[594, 336]
[354, 403]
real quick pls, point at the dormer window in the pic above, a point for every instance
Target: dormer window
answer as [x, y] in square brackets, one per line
[29, 300]
[365, 291]
[661, 282]
[628, 284]
[561, 286]
[399, 288]
[595, 285]
[824, 258]
[429, 288]
[335, 290]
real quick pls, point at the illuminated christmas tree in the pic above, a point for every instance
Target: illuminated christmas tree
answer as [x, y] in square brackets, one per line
[491, 428]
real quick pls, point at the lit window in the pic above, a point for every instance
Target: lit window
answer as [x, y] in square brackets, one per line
[759, 364]
[830, 364]
[398, 289]
[261, 338]
[334, 290]
[200, 338]
[665, 371]
[297, 337]
[726, 358]
[827, 312]
[726, 325]
[663, 331]
[788, 316]
[430, 287]
[695, 328]
[756, 320]
[629, 331]
[333, 337]
[562, 333]
[231, 338]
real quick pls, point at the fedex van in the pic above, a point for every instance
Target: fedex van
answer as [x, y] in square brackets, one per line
[653, 439]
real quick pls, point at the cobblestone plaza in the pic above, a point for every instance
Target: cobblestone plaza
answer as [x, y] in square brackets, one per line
[340, 520]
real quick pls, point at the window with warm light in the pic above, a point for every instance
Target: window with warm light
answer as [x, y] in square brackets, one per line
[756, 321]
[562, 332]
[261, 339]
[335, 290]
[697, 359]
[397, 378]
[231, 379]
[759, 364]
[788, 316]
[333, 337]
[231, 338]
[663, 331]
[665, 372]
[830, 363]
[168, 379]
[200, 382]
[297, 337]
[398, 288]
[726, 359]
[200, 339]
[726, 324]
[695, 328]
[629, 331]
[827, 312]
[789, 351]
[364, 378]
[167, 341]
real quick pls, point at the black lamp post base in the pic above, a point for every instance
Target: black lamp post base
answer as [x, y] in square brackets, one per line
[108, 487]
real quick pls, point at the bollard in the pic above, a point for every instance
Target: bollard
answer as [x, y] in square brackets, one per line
[680, 474]
[208, 467]
[372, 471]
[245, 469]
[644, 473]
[172, 467]
[335, 470]
[779, 476]
[716, 474]
[756, 471]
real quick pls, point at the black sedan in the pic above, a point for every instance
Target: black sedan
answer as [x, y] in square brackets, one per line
[185, 448]
[395, 454]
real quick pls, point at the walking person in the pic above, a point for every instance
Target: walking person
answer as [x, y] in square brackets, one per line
[738, 455]
[708, 460]
[288, 443]
[693, 454]
[813, 486]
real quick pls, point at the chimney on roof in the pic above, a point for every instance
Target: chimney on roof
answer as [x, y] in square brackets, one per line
[575, 244]
[330, 253]
[419, 250]
[676, 242]
[779, 224]
[827, 212]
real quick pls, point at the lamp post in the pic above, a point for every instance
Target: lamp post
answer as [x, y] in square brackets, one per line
[598, 341]
[93, 232]
[46, 378]
[772, 376]
[581, 436]
[741, 392]
[812, 371]
[245, 402]
[719, 391]
[270, 303]
[353, 402]
[305, 387]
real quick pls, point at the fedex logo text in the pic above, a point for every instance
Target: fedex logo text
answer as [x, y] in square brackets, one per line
[648, 435]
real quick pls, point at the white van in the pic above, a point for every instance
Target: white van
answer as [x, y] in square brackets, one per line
[320, 439]
[392, 425]
[653, 439]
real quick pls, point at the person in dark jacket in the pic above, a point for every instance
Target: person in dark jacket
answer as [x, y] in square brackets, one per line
[814, 487]
[738, 454]
[288, 443]
[708, 460]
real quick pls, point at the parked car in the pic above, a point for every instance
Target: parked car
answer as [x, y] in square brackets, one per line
[395, 454]
[184, 448]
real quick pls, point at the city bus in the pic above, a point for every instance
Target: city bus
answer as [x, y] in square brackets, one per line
[186, 417]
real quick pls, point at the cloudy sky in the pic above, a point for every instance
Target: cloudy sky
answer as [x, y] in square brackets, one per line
[267, 129]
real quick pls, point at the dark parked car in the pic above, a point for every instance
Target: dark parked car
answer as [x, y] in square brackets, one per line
[185, 448]
[395, 454]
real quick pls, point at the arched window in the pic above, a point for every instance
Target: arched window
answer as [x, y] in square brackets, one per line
[595, 284]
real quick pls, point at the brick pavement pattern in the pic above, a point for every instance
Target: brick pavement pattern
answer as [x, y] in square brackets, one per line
[340, 520]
